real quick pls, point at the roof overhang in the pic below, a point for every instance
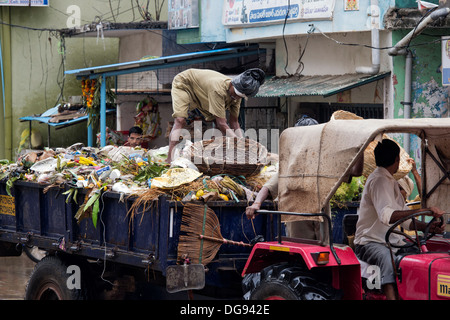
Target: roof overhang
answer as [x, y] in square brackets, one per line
[409, 18]
[184, 59]
[113, 29]
[320, 85]
[164, 62]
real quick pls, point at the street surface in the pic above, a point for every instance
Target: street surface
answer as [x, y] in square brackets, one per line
[14, 274]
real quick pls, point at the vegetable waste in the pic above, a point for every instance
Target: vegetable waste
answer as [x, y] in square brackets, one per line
[85, 173]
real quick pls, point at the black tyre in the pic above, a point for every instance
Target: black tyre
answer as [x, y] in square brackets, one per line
[286, 282]
[49, 281]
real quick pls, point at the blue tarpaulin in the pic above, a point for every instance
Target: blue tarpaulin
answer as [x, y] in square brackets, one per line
[48, 115]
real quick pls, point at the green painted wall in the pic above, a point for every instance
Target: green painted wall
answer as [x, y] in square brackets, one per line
[429, 96]
[34, 73]
[430, 99]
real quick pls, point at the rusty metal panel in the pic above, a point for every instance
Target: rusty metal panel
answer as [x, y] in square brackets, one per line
[321, 85]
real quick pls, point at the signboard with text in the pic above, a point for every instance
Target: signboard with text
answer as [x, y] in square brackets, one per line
[24, 3]
[241, 13]
[445, 60]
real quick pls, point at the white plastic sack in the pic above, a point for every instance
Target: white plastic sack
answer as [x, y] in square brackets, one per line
[175, 177]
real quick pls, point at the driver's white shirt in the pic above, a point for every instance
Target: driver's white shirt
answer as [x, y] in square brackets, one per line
[380, 198]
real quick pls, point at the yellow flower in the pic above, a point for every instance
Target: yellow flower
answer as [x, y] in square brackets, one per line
[199, 193]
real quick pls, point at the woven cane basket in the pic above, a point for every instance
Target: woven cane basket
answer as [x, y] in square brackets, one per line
[369, 157]
[228, 155]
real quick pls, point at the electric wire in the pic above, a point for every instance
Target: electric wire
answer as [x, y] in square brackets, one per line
[57, 33]
[104, 238]
[415, 27]
[372, 47]
[284, 38]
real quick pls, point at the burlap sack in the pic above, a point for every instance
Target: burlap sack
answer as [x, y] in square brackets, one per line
[369, 158]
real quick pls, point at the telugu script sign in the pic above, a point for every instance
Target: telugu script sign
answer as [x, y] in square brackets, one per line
[249, 12]
[24, 3]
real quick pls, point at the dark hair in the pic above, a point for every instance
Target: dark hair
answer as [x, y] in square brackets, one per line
[135, 130]
[386, 152]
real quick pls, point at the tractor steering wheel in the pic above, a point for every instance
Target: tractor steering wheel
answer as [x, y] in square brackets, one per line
[419, 240]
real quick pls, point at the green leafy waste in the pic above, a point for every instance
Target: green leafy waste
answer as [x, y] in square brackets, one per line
[90, 207]
[150, 171]
[348, 192]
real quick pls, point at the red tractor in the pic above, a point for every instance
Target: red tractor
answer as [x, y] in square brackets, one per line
[311, 159]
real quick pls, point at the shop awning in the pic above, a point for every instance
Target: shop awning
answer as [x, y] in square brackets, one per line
[321, 85]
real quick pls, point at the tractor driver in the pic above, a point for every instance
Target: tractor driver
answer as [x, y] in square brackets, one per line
[382, 204]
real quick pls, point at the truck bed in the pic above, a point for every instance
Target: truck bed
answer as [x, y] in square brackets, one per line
[149, 240]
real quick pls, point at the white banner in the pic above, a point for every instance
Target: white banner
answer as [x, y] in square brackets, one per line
[249, 12]
[24, 3]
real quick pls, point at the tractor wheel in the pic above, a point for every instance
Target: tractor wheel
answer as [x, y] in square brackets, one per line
[50, 280]
[286, 282]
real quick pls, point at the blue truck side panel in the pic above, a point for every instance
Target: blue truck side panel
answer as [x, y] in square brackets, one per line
[43, 218]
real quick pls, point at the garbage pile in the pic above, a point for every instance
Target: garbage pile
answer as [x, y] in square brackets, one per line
[130, 171]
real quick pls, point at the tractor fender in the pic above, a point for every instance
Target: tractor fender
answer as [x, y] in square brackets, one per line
[264, 254]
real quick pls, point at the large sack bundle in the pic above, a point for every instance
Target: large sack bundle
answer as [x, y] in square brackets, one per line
[369, 157]
[229, 155]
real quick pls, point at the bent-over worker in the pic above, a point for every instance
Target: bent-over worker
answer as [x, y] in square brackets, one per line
[212, 93]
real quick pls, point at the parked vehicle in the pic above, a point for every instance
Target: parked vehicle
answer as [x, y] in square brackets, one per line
[320, 158]
[123, 257]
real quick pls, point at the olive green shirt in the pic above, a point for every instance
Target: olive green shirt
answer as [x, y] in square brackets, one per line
[205, 90]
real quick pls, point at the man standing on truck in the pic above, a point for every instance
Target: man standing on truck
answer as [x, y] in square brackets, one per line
[300, 229]
[382, 204]
[212, 93]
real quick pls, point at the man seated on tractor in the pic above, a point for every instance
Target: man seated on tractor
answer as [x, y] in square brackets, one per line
[382, 204]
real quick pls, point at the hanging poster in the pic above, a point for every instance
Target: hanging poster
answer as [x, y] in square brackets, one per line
[24, 3]
[445, 60]
[351, 5]
[183, 14]
[250, 12]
